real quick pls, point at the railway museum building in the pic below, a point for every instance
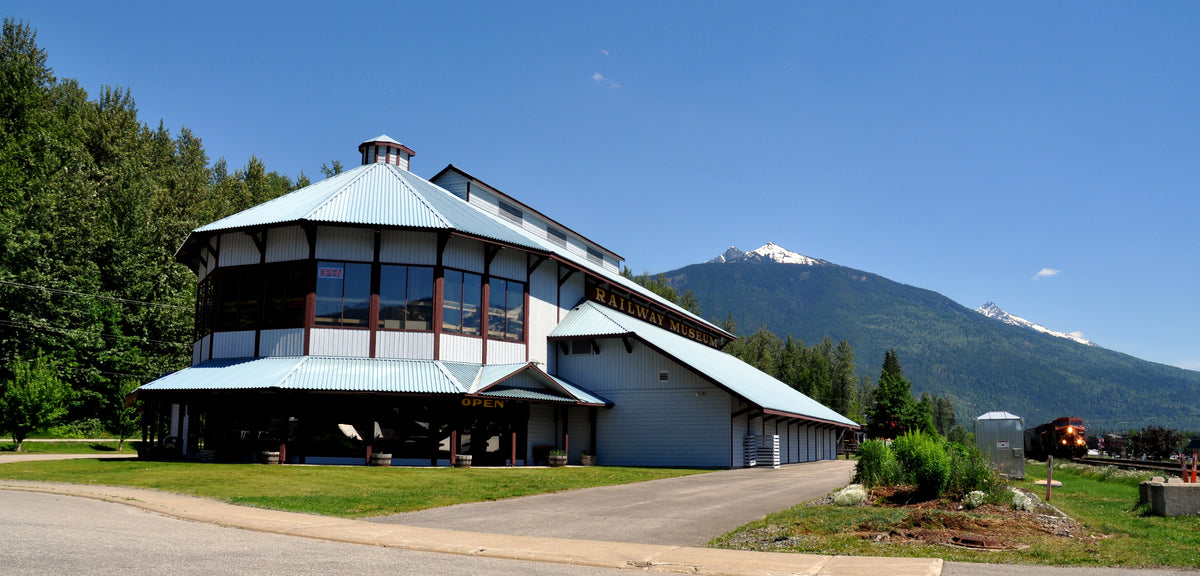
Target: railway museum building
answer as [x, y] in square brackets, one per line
[376, 310]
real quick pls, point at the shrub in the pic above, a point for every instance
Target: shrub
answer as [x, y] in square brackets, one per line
[969, 471]
[876, 465]
[924, 462]
[851, 495]
[974, 499]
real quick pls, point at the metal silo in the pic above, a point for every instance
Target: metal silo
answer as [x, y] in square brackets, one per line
[1000, 436]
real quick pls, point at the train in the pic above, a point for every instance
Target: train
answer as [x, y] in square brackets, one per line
[1065, 437]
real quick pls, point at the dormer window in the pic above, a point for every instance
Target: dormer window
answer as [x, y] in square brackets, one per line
[556, 236]
[511, 213]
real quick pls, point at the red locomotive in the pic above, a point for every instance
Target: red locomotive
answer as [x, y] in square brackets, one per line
[1063, 438]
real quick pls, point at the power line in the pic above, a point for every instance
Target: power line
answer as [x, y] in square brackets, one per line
[79, 331]
[97, 296]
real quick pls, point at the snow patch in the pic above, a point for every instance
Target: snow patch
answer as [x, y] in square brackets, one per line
[993, 311]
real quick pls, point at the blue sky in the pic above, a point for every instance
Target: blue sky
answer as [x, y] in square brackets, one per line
[1041, 156]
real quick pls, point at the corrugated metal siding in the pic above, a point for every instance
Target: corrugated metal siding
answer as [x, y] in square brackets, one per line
[664, 428]
[737, 430]
[286, 243]
[510, 263]
[335, 342]
[238, 248]
[542, 315]
[464, 254]
[541, 428]
[206, 348]
[333, 243]
[579, 431]
[289, 342]
[456, 348]
[403, 247]
[615, 369]
[571, 293]
[500, 352]
[196, 352]
[233, 344]
[409, 345]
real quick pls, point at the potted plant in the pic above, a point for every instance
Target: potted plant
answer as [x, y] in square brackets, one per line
[587, 458]
[558, 458]
[462, 460]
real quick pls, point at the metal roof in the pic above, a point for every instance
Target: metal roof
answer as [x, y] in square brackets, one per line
[386, 195]
[998, 416]
[593, 320]
[320, 373]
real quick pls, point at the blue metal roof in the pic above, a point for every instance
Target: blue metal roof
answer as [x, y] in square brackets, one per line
[320, 373]
[593, 320]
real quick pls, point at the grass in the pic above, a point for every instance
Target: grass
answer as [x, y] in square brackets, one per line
[344, 491]
[1104, 501]
[102, 447]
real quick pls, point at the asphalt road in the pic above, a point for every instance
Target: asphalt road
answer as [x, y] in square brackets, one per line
[47, 534]
[686, 511]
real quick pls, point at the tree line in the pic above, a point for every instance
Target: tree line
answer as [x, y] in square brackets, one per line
[93, 205]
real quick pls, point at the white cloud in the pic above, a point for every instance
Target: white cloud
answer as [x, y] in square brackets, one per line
[1046, 273]
[601, 79]
[604, 52]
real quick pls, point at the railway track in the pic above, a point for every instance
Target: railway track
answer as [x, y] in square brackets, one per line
[1130, 464]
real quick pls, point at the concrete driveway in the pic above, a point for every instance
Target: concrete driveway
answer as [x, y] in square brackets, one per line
[687, 511]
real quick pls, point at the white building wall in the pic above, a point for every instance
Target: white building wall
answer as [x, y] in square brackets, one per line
[683, 421]
[737, 431]
[464, 254]
[509, 263]
[454, 182]
[404, 247]
[196, 351]
[542, 315]
[541, 428]
[287, 243]
[340, 243]
[287, 342]
[579, 432]
[237, 248]
[501, 352]
[570, 294]
[334, 342]
[406, 345]
[455, 348]
[233, 344]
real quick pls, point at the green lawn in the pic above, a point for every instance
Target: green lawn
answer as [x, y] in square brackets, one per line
[346, 491]
[1120, 532]
[101, 447]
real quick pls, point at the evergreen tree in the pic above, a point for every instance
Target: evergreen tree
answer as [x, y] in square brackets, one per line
[894, 411]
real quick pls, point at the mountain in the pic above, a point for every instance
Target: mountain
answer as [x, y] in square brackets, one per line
[944, 347]
[991, 310]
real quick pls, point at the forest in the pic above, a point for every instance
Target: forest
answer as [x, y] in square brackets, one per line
[94, 203]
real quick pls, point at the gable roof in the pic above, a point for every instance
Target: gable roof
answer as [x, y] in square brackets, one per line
[590, 320]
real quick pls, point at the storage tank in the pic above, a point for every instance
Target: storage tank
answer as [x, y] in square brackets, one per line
[1000, 436]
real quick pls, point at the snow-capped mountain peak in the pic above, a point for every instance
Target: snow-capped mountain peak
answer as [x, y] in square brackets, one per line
[993, 311]
[771, 252]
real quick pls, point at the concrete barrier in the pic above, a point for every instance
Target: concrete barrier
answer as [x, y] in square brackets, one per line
[1170, 497]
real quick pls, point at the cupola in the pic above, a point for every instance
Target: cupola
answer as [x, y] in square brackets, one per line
[384, 150]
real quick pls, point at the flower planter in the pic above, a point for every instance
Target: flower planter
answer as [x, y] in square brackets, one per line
[269, 457]
[462, 461]
[381, 459]
[587, 460]
[557, 461]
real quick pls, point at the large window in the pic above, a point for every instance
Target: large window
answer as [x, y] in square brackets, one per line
[506, 310]
[239, 291]
[343, 294]
[286, 289]
[204, 307]
[461, 296]
[405, 297]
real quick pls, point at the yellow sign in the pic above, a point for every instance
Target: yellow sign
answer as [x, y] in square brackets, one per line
[482, 403]
[660, 319]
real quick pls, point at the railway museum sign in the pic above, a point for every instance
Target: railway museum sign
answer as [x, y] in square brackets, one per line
[653, 315]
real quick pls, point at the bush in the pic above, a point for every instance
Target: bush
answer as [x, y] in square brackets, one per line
[969, 471]
[877, 465]
[924, 462]
[851, 495]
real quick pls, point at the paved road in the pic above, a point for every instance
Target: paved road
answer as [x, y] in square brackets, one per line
[686, 511]
[48, 534]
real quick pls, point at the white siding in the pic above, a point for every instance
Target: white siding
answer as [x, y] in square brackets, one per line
[737, 431]
[542, 315]
[541, 428]
[683, 421]
[233, 344]
[408, 345]
[288, 342]
[464, 254]
[501, 352]
[335, 342]
[403, 247]
[196, 351]
[238, 248]
[571, 292]
[288, 243]
[579, 432]
[353, 244]
[455, 348]
[206, 348]
[454, 182]
[509, 263]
